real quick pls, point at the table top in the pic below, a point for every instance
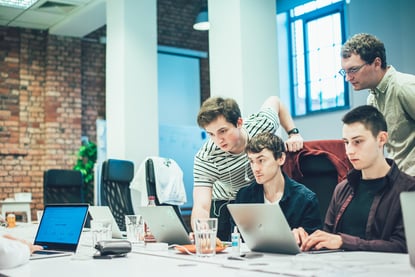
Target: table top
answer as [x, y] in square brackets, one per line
[144, 260]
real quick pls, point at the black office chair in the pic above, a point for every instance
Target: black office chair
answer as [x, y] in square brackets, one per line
[320, 176]
[116, 177]
[63, 186]
[151, 190]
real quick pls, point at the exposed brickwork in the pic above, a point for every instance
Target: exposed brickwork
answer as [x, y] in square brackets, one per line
[93, 82]
[52, 89]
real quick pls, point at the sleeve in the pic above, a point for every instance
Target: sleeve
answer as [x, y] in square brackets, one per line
[311, 220]
[13, 253]
[407, 99]
[397, 244]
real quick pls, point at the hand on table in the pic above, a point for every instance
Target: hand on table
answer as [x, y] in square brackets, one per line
[30, 245]
[300, 235]
[320, 239]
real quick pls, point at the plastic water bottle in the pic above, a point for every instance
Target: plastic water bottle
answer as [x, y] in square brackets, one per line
[148, 236]
[236, 242]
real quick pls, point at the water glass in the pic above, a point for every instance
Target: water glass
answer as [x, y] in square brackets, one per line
[100, 230]
[135, 228]
[205, 236]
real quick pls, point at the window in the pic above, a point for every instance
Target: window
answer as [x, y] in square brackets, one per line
[317, 35]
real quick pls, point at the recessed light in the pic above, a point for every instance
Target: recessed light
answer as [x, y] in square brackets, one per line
[19, 4]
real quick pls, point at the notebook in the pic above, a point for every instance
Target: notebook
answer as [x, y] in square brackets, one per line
[104, 213]
[59, 230]
[408, 213]
[264, 228]
[164, 224]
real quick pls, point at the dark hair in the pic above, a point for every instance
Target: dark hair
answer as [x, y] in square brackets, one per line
[367, 46]
[266, 141]
[369, 116]
[214, 107]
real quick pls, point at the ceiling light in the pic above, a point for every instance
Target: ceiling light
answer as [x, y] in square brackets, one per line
[19, 4]
[202, 20]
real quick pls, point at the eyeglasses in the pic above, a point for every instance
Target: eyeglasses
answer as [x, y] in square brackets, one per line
[352, 70]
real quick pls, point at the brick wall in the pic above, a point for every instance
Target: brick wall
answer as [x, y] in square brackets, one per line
[52, 89]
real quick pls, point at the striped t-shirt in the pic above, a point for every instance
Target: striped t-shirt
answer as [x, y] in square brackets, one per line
[227, 172]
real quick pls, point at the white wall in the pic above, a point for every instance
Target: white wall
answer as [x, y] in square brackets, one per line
[392, 22]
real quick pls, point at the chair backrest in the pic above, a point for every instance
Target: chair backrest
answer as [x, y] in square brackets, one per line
[320, 176]
[63, 186]
[152, 190]
[320, 166]
[116, 177]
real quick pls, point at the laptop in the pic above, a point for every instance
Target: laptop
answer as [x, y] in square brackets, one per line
[60, 230]
[104, 213]
[408, 213]
[164, 224]
[264, 228]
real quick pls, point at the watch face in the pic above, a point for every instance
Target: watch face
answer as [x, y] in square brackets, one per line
[293, 131]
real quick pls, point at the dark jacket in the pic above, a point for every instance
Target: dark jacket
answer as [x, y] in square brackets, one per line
[299, 204]
[384, 229]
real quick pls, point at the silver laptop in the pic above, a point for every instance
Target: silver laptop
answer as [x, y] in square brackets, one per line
[164, 224]
[408, 213]
[264, 228]
[104, 213]
[59, 230]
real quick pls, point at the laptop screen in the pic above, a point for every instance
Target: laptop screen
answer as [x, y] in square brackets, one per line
[61, 226]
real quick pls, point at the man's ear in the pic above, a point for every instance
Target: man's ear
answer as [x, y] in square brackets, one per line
[383, 137]
[281, 160]
[239, 122]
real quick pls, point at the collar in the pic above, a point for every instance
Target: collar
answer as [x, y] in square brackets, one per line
[355, 176]
[383, 85]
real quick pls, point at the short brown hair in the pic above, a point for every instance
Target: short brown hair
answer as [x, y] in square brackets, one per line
[214, 107]
[367, 46]
[266, 141]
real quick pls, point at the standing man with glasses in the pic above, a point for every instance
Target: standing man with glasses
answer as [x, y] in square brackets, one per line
[363, 61]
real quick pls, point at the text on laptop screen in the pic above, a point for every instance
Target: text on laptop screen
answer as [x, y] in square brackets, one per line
[61, 224]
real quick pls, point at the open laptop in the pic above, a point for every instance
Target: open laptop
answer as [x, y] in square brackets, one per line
[408, 213]
[264, 228]
[164, 224]
[59, 230]
[104, 213]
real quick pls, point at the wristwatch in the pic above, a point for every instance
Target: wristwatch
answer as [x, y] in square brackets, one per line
[293, 131]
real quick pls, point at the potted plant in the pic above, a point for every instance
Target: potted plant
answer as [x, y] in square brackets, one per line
[86, 158]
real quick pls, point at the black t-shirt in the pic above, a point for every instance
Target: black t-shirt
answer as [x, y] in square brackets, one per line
[354, 219]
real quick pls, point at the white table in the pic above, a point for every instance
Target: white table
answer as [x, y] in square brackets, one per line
[172, 263]
[16, 206]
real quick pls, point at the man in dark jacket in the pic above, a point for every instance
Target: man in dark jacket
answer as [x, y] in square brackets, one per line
[365, 212]
[266, 155]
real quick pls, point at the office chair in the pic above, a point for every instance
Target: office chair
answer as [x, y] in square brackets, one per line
[116, 177]
[151, 190]
[63, 186]
[320, 166]
[320, 176]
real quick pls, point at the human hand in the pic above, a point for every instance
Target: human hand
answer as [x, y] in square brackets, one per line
[30, 245]
[320, 239]
[300, 235]
[294, 143]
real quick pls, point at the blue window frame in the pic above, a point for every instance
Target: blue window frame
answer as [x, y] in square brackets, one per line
[317, 34]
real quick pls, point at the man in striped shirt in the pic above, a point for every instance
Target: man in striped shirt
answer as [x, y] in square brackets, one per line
[221, 166]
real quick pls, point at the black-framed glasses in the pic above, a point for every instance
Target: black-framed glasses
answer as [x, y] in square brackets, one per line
[352, 70]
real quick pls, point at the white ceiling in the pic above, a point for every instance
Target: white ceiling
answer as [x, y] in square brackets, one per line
[75, 18]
